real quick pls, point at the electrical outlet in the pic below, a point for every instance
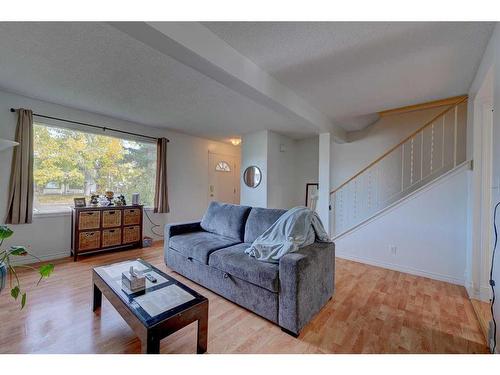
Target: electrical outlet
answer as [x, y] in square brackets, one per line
[394, 250]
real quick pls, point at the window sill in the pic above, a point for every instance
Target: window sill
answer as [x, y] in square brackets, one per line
[39, 215]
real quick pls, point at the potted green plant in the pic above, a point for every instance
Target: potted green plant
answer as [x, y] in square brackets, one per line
[7, 267]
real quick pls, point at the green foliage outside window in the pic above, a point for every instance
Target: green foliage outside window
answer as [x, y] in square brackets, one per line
[79, 164]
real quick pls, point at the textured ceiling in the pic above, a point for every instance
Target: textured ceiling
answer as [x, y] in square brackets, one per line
[95, 67]
[350, 70]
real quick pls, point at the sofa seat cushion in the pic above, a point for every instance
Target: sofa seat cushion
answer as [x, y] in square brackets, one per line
[259, 220]
[199, 245]
[235, 262]
[225, 219]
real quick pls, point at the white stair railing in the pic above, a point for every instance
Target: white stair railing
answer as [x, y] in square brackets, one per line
[426, 154]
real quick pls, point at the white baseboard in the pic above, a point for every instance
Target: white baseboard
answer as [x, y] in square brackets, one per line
[43, 258]
[483, 293]
[400, 268]
[471, 292]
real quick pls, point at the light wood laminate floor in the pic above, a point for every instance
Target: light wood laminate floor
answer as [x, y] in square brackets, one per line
[374, 310]
[483, 313]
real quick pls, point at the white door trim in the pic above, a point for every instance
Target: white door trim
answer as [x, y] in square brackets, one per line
[481, 230]
[236, 167]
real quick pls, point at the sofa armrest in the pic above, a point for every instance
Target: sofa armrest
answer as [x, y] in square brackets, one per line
[179, 228]
[182, 228]
[306, 284]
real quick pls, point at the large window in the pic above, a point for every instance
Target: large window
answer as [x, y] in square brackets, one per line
[70, 163]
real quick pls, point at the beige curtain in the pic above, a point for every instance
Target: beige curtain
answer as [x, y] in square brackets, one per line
[20, 207]
[161, 190]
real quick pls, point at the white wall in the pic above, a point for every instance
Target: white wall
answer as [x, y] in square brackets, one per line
[428, 230]
[287, 165]
[306, 166]
[49, 236]
[281, 188]
[254, 152]
[324, 180]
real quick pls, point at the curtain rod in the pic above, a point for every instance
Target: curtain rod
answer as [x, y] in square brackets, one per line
[103, 128]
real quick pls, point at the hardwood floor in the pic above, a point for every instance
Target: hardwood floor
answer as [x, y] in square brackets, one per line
[483, 313]
[374, 310]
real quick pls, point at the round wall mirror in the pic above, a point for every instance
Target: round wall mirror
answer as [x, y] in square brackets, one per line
[252, 176]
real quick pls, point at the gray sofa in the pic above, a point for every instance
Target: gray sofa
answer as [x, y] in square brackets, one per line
[211, 252]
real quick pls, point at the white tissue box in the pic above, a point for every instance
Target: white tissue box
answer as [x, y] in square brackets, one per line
[133, 283]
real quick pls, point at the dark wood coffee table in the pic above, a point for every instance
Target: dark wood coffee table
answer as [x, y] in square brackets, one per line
[162, 309]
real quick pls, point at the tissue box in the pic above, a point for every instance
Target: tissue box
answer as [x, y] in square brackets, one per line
[134, 283]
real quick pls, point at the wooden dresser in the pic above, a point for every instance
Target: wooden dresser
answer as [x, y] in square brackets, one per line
[105, 228]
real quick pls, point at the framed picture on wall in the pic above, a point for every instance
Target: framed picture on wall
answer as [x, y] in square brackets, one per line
[311, 195]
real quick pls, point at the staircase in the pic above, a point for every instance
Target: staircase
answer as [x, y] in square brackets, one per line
[433, 150]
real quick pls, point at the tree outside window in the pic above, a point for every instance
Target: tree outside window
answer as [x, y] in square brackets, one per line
[70, 163]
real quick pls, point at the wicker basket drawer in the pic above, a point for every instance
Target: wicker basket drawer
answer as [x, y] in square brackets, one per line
[89, 220]
[111, 218]
[89, 240]
[111, 237]
[131, 216]
[131, 234]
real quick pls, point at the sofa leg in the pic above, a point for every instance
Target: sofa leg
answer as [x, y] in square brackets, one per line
[290, 332]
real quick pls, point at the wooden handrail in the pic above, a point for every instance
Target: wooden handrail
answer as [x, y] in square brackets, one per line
[459, 101]
[421, 106]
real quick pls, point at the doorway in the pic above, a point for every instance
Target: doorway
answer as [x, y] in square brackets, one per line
[223, 178]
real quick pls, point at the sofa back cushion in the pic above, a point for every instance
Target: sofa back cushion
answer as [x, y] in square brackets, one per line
[259, 220]
[225, 219]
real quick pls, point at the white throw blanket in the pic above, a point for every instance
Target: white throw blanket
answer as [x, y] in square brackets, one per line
[296, 228]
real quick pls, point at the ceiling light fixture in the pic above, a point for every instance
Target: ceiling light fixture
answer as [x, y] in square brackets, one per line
[235, 141]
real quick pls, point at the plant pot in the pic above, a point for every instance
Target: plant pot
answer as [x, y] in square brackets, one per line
[3, 276]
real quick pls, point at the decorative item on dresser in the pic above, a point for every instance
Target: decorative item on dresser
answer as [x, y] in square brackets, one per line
[105, 228]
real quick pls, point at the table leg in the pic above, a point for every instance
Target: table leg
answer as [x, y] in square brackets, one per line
[202, 334]
[97, 298]
[151, 345]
